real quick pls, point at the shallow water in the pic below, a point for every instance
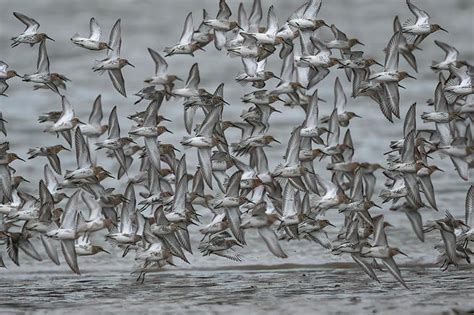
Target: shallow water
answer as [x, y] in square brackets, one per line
[311, 280]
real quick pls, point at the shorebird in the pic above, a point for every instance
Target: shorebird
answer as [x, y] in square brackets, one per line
[186, 45]
[4, 76]
[30, 35]
[93, 41]
[420, 28]
[43, 75]
[113, 64]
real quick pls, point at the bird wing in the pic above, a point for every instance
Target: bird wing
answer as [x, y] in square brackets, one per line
[188, 30]
[365, 266]
[312, 9]
[272, 22]
[55, 163]
[83, 157]
[193, 77]
[95, 31]
[115, 40]
[392, 267]
[160, 63]
[250, 65]
[469, 206]
[224, 11]
[70, 214]
[392, 55]
[118, 81]
[31, 24]
[114, 127]
[69, 252]
[271, 240]
[96, 115]
[209, 123]
[204, 156]
[340, 98]
[293, 148]
[380, 238]
[255, 16]
[311, 120]
[128, 210]
[422, 17]
[42, 64]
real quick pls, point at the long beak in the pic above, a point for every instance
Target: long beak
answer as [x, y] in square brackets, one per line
[378, 63]
[329, 223]
[276, 140]
[54, 40]
[128, 63]
[19, 158]
[444, 30]
[179, 79]
[105, 251]
[377, 206]
[276, 77]
[289, 43]
[410, 76]
[403, 253]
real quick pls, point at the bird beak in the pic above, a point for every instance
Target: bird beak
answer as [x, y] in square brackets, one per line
[402, 253]
[329, 223]
[54, 40]
[444, 30]
[378, 63]
[410, 76]
[377, 206]
[276, 141]
[19, 158]
[128, 63]
[179, 79]
[103, 250]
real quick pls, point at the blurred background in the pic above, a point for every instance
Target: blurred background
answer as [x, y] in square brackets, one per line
[157, 24]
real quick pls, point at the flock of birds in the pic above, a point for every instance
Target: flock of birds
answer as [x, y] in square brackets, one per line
[233, 181]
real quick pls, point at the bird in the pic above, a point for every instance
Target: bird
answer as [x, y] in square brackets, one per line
[30, 35]
[113, 64]
[93, 41]
[43, 76]
[4, 76]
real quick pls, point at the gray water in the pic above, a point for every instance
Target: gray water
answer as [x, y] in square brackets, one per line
[311, 280]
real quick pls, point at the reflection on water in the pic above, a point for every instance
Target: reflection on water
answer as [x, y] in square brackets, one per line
[206, 285]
